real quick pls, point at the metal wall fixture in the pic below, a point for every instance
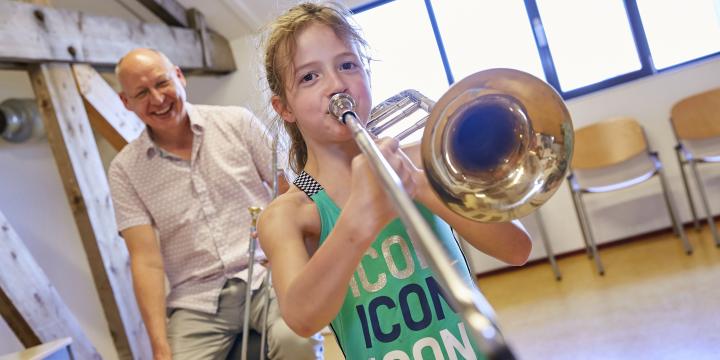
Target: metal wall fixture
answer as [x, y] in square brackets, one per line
[20, 120]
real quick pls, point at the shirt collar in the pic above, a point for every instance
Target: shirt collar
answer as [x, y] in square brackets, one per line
[197, 122]
[197, 126]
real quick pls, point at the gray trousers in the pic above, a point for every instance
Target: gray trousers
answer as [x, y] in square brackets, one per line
[195, 335]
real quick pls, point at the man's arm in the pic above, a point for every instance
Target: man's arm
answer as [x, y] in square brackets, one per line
[254, 133]
[149, 283]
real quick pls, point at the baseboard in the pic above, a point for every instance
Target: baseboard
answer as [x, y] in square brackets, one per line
[605, 245]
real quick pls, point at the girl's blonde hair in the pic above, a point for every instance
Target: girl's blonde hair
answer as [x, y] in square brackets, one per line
[280, 47]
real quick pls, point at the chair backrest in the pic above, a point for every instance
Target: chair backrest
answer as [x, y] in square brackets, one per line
[698, 116]
[608, 142]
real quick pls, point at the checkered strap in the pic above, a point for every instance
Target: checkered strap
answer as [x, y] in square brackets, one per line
[307, 184]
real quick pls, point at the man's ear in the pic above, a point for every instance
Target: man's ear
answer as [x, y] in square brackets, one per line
[282, 110]
[367, 73]
[124, 99]
[180, 75]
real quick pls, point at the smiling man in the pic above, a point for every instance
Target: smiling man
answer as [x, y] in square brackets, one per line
[181, 193]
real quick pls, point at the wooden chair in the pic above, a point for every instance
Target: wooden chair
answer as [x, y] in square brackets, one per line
[610, 155]
[696, 123]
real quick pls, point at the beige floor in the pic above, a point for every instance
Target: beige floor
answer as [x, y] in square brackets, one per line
[654, 302]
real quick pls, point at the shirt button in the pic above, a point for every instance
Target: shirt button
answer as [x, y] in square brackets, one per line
[199, 184]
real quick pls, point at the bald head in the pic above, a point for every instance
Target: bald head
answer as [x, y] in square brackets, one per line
[140, 58]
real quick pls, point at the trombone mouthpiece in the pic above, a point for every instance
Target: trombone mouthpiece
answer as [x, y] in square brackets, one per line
[341, 104]
[254, 213]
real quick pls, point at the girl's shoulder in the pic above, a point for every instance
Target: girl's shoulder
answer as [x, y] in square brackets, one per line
[293, 211]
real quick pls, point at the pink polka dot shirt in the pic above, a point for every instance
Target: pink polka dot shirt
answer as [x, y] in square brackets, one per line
[199, 208]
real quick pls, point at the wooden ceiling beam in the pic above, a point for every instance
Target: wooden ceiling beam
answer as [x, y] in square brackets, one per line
[174, 14]
[35, 34]
[169, 11]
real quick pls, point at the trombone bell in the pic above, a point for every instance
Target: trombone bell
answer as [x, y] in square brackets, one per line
[496, 145]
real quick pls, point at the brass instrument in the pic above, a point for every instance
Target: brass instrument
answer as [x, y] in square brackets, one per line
[268, 278]
[518, 127]
[254, 213]
[495, 146]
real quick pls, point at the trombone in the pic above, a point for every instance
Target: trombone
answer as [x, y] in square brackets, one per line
[495, 147]
[254, 213]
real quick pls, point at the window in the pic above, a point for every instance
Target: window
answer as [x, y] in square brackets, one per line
[405, 57]
[679, 31]
[486, 34]
[576, 46]
[590, 41]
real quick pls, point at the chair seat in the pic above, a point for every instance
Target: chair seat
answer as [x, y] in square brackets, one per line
[709, 159]
[621, 185]
[628, 173]
[704, 150]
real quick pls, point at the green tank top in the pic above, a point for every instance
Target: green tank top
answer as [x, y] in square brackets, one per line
[394, 307]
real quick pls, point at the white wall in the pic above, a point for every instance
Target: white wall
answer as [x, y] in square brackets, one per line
[242, 87]
[32, 198]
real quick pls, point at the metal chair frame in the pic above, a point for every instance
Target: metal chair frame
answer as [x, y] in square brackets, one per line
[579, 191]
[695, 118]
[685, 157]
[548, 248]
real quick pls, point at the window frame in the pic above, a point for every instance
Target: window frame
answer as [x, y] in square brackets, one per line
[638, 33]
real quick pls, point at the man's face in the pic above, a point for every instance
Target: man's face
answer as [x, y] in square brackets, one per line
[154, 90]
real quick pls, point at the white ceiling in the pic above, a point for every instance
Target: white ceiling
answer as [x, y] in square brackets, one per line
[231, 18]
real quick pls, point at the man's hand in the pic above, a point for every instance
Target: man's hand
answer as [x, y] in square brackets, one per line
[161, 351]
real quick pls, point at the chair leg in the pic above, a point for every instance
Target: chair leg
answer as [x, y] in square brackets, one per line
[587, 232]
[696, 222]
[677, 225]
[548, 248]
[582, 225]
[706, 206]
[674, 218]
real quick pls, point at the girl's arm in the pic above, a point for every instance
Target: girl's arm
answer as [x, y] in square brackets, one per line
[311, 289]
[508, 242]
